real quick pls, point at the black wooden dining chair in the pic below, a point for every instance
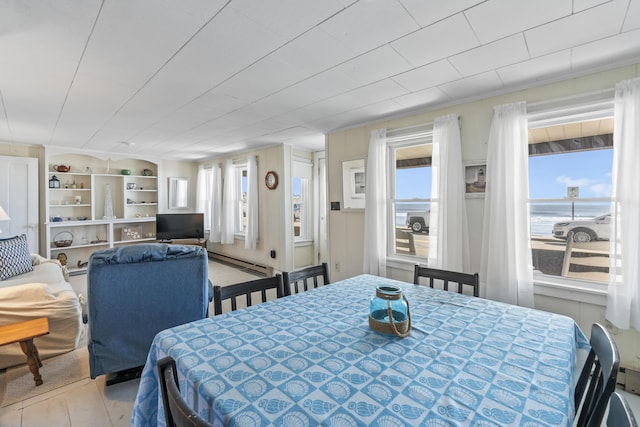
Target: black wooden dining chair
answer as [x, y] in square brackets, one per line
[177, 412]
[446, 276]
[246, 289]
[620, 414]
[305, 278]
[598, 378]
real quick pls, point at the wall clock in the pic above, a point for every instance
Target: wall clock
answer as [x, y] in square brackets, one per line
[271, 180]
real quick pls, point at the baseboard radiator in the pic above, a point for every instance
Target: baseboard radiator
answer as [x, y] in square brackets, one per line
[253, 267]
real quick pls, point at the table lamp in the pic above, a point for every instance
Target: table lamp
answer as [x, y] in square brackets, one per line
[3, 217]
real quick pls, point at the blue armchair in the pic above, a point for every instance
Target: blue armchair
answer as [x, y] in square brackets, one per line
[136, 291]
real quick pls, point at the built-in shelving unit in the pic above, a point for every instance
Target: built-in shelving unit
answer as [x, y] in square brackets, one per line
[78, 221]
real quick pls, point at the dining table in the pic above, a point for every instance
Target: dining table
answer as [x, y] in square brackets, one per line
[311, 359]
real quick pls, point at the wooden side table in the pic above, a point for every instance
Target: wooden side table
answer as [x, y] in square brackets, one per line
[24, 333]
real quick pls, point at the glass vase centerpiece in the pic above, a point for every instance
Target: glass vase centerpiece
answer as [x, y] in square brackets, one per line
[389, 312]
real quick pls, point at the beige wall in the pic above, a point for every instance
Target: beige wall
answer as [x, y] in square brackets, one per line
[346, 233]
[273, 231]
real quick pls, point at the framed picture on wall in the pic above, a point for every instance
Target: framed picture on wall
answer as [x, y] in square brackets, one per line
[475, 178]
[353, 184]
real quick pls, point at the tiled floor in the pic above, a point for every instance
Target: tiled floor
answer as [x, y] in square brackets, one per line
[90, 403]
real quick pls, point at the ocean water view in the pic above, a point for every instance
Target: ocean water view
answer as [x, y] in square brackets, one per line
[543, 214]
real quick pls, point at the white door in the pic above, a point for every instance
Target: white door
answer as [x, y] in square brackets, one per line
[19, 198]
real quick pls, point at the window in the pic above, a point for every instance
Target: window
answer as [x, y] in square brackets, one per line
[241, 199]
[409, 191]
[301, 198]
[570, 198]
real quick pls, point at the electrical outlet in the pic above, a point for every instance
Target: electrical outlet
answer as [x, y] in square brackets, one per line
[337, 266]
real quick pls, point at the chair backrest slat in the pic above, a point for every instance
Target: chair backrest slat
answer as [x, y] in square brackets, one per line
[176, 410]
[446, 276]
[597, 379]
[305, 278]
[246, 289]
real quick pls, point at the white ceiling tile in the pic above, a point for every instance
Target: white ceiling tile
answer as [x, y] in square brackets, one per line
[132, 40]
[438, 41]
[373, 66]
[317, 88]
[570, 31]
[357, 98]
[287, 18]
[265, 77]
[370, 112]
[367, 24]
[509, 50]
[428, 12]
[428, 76]
[314, 51]
[422, 98]
[621, 49]
[470, 87]
[536, 69]
[580, 5]
[495, 19]
[632, 20]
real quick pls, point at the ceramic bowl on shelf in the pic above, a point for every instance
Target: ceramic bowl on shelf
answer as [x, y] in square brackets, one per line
[82, 218]
[125, 171]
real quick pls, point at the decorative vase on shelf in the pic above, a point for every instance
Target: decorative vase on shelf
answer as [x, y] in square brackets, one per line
[108, 203]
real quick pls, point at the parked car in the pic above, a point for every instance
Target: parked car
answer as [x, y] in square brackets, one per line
[418, 221]
[584, 230]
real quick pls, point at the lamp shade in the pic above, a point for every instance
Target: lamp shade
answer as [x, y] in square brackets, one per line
[3, 215]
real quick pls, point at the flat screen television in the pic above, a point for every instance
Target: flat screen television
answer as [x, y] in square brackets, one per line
[179, 226]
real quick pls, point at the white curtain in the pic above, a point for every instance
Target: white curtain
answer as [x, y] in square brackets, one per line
[623, 302]
[202, 198]
[227, 218]
[251, 236]
[506, 271]
[448, 229]
[375, 213]
[216, 203]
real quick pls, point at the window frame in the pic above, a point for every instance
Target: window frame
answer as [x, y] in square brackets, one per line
[303, 170]
[240, 176]
[402, 138]
[574, 109]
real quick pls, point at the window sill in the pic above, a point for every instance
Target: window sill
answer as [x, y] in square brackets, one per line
[572, 290]
[406, 264]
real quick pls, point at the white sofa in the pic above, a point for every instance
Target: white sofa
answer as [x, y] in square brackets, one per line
[43, 292]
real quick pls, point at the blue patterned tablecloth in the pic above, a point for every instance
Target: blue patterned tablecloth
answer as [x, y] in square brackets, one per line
[310, 359]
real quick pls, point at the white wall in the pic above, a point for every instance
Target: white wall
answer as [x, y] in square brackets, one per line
[346, 233]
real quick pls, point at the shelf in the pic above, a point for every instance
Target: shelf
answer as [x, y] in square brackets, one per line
[146, 239]
[88, 245]
[70, 173]
[141, 219]
[95, 175]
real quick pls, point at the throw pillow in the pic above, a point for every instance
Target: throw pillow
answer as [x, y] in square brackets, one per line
[15, 258]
